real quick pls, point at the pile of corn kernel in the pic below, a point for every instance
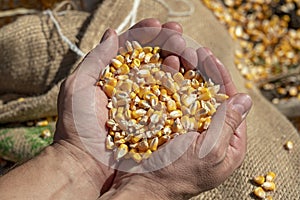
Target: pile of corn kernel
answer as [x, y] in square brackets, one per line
[266, 183]
[270, 45]
[149, 106]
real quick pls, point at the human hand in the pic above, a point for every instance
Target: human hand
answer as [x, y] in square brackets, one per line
[82, 105]
[210, 157]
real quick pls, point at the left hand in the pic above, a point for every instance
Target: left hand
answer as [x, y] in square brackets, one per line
[82, 110]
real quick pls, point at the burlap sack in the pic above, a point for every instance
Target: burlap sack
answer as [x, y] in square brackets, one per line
[33, 60]
[267, 128]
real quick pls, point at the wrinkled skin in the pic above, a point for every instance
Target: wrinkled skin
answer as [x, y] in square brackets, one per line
[212, 156]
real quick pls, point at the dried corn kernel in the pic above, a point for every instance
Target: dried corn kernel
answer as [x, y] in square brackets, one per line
[259, 192]
[270, 176]
[259, 180]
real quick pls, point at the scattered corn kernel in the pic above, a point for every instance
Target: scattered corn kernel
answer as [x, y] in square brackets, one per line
[270, 176]
[259, 180]
[268, 186]
[259, 192]
[289, 145]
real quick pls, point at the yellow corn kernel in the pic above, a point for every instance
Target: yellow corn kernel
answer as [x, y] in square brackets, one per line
[109, 90]
[268, 197]
[121, 151]
[112, 133]
[178, 78]
[148, 57]
[120, 141]
[143, 145]
[288, 145]
[136, 138]
[259, 192]
[171, 105]
[259, 180]
[128, 46]
[142, 91]
[127, 58]
[136, 45]
[195, 83]
[132, 95]
[190, 74]
[135, 155]
[167, 130]
[116, 63]
[270, 176]
[118, 136]
[163, 95]
[135, 63]
[177, 126]
[176, 114]
[138, 113]
[112, 81]
[198, 77]
[46, 133]
[135, 53]
[104, 72]
[159, 134]
[123, 70]
[147, 49]
[112, 69]
[211, 108]
[128, 114]
[155, 89]
[149, 95]
[42, 123]
[205, 96]
[268, 186]
[147, 154]
[153, 144]
[163, 139]
[120, 58]
[20, 99]
[169, 122]
[109, 142]
[194, 107]
[176, 97]
[156, 50]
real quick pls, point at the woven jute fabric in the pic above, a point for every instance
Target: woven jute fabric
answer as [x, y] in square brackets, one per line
[33, 61]
[268, 129]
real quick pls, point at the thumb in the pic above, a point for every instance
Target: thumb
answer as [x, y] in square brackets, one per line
[223, 125]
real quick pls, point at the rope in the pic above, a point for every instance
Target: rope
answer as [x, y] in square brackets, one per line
[72, 46]
[17, 11]
[178, 13]
[133, 12]
[130, 17]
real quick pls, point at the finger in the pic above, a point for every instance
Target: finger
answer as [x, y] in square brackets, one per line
[143, 32]
[211, 68]
[223, 125]
[168, 30]
[171, 64]
[173, 26]
[174, 45]
[189, 58]
[99, 57]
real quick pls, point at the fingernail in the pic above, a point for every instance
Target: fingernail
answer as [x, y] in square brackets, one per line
[105, 35]
[241, 103]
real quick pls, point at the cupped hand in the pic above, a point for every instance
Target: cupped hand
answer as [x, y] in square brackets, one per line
[211, 156]
[82, 110]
